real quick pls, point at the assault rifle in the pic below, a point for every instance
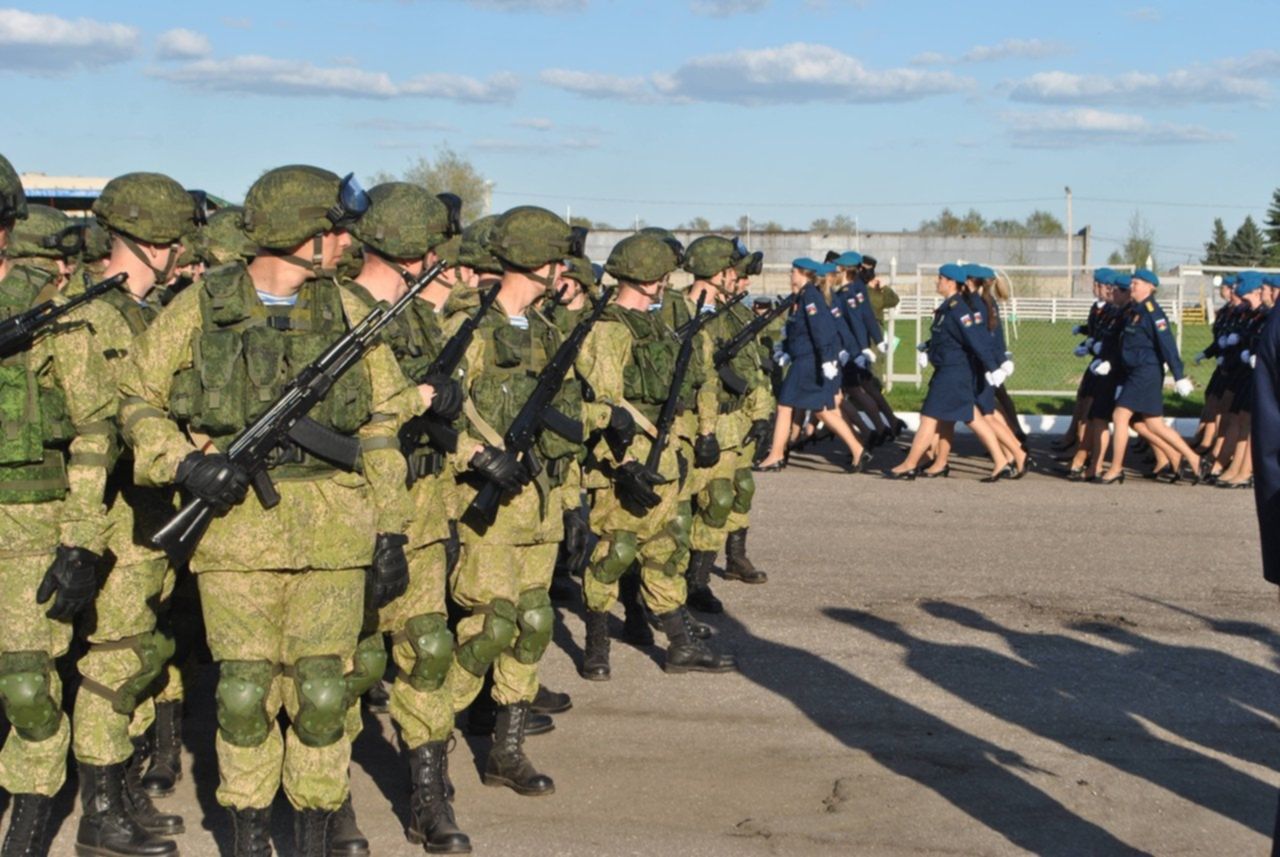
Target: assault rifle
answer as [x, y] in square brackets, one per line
[729, 349]
[443, 436]
[286, 422]
[536, 414]
[17, 333]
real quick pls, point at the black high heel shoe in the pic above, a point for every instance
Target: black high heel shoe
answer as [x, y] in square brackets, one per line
[941, 474]
[907, 475]
[1002, 473]
[1114, 480]
[1189, 473]
[1077, 474]
[769, 468]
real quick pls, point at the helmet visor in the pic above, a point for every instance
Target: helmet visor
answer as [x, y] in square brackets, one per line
[353, 202]
[578, 241]
[453, 203]
[201, 200]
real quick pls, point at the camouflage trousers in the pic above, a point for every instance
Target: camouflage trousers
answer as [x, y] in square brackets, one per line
[486, 573]
[32, 767]
[422, 715]
[123, 617]
[660, 540]
[279, 617]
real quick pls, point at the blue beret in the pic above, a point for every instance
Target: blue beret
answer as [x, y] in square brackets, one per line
[1106, 276]
[826, 268]
[1249, 281]
[1229, 280]
[804, 263]
[956, 273]
[985, 273]
[1272, 280]
[848, 259]
[1121, 281]
[1147, 277]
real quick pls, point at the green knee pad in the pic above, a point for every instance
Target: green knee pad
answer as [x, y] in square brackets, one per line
[322, 700]
[368, 665]
[476, 654]
[24, 689]
[622, 552]
[719, 503]
[154, 650]
[744, 489]
[679, 529]
[242, 701]
[432, 650]
[537, 620]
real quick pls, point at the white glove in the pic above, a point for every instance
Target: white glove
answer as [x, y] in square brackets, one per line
[1199, 358]
[923, 346]
[871, 355]
[1253, 361]
[1102, 368]
[1081, 350]
[922, 360]
[1077, 330]
[995, 378]
[1182, 387]
[782, 358]
[1119, 390]
[1218, 360]
[862, 362]
[1007, 368]
[883, 345]
[1233, 339]
[843, 357]
[1088, 343]
[1246, 355]
[830, 370]
[1008, 355]
[1222, 341]
[1097, 348]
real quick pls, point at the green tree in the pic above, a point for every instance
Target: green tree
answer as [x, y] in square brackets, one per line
[949, 223]
[821, 224]
[1247, 247]
[1272, 232]
[696, 224]
[1042, 223]
[1138, 247]
[449, 172]
[1215, 249]
[842, 223]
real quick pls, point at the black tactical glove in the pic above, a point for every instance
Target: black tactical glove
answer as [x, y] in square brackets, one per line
[634, 483]
[577, 535]
[620, 431]
[759, 434]
[214, 479]
[73, 576]
[447, 401]
[501, 468]
[389, 574]
[706, 451]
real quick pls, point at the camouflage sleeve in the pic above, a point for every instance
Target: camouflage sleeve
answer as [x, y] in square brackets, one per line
[395, 400]
[158, 444]
[759, 404]
[708, 401]
[601, 362]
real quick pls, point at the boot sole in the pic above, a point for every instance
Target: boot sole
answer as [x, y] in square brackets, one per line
[164, 831]
[597, 676]
[418, 839]
[751, 580]
[698, 669]
[491, 780]
[94, 851]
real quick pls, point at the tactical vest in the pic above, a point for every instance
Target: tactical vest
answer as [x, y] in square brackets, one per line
[245, 354]
[507, 381]
[646, 380]
[745, 364]
[35, 428]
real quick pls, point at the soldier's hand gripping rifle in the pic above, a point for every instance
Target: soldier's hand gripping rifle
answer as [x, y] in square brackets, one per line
[18, 332]
[286, 422]
[535, 415]
[729, 349]
[440, 433]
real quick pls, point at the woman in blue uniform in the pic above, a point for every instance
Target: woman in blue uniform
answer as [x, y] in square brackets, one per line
[1146, 347]
[1103, 373]
[954, 349]
[811, 353]
[1231, 467]
[1224, 323]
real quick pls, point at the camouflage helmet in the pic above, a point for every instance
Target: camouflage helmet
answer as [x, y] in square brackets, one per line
[580, 270]
[529, 237]
[448, 250]
[288, 205]
[149, 207]
[47, 233]
[404, 221]
[224, 238]
[13, 201]
[474, 250]
[669, 238]
[97, 243]
[709, 255]
[641, 258]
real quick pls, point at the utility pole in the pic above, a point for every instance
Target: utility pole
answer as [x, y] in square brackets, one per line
[1071, 274]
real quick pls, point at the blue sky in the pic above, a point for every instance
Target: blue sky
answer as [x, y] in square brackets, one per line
[785, 110]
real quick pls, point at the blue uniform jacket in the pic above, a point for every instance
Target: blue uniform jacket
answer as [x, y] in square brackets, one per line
[1147, 339]
[811, 329]
[1266, 444]
[956, 337]
[851, 313]
[868, 315]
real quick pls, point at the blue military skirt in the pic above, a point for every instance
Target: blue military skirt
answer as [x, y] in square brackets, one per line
[984, 395]
[805, 389]
[951, 394]
[1143, 391]
[1104, 396]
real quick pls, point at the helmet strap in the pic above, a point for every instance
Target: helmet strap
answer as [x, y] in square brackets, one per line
[162, 275]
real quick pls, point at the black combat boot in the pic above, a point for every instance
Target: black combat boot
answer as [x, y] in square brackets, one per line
[311, 832]
[27, 822]
[687, 653]
[482, 714]
[701, 598]
[165, 770]
[507, 764]
[345, 838]
[549, 702]
[595, 657]
[251, 832]
[736, 565]
[106, 828]
[139, 802]
[635, 625]
[377, 699]
[431, 822]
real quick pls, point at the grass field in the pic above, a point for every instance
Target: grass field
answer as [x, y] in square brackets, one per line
[1042, 355]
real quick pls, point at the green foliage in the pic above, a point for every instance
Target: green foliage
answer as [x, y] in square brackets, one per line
[449, 172]
[1037, 224]
[1138, 247]
[1272, 231]
[1215, 249]
[1247, 247]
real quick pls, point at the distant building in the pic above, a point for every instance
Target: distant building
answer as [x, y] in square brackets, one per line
[72, 194]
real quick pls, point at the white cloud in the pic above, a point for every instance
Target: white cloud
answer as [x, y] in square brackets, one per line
[535, 147]
[725, 8]
[182, 44]
[1205, 84]
[1059, 129]
[1005, 50]
[594, 85]
[47, 44]
[535, 123]
[261, 75]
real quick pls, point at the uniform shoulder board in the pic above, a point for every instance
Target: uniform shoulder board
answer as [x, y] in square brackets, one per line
[1150, 306]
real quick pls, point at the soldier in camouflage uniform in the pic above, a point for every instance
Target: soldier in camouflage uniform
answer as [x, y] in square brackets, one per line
[476, 269]
[722, 503]
[97, 247]
[505, 568]
[282, 589]
[52, 537]
[223, 240]
[146, 214]
[644, 516]
[400, 234]
[48, 241]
